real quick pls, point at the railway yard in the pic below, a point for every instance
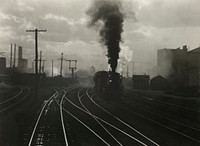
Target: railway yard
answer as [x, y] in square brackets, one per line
[76, 116]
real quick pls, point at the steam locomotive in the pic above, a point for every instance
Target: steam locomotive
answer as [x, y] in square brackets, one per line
[108, 85]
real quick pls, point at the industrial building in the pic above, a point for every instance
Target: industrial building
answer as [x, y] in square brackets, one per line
[173, 65]
[159, 83]
[22, 63]
[194, 67]
[141, 82]
[2, 65]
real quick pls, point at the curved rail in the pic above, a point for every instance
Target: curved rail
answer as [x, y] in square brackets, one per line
[118, 129]
[19, 101]
[39, 117]
[90, 97]
[82, 123]
[7, 100]
[79, 98]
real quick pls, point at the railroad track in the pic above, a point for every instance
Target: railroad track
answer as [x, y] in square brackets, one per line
[145, 110]
[49, 127]
[9, 93]
[14, 100]
[177, 113]
[106, 127]
[175, 106]
[73, 117]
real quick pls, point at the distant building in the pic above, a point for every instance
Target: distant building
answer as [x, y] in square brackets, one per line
[92, 71]
[173, 64]
[81, 73]
[127, 82]
[2, 65]
[141, 82]
[22, 63]
[159, 83]
[194, 67]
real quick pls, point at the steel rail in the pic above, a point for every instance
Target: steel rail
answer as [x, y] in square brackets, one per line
[118, 129]
[12, 97]
[81, 122]
[19, 101]
[160, 124]
[39, 117]
[121, 120]
[79, 98]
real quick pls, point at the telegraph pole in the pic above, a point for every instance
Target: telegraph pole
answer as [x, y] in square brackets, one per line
[36, 46]
[133, 68]
[43, 66]
[52, 68]
[61, 64]
[36, 56]
[11, 56]
[72, 68]
[14, 55]
[40, 62]
[127, 72]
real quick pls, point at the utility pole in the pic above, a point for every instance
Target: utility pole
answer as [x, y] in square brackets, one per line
[11, 56]
[127, 73]
[40, 63]
[36, 57]
[61, 64]
[52, 68]
[133, 68]
[14, 55]
[43, 66]
[72, 68]
[36, 46]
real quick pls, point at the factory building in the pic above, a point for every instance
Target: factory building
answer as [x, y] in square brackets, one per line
[194, 67]
[2, 65]
[159, 83]
[22, 63]
[173, 65]
[141, 82]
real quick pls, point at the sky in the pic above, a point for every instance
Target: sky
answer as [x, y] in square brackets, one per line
[149, 25]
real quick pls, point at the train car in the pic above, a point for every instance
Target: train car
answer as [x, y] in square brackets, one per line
[108, 85]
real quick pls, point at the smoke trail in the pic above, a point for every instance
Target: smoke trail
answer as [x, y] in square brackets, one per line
[107, 17]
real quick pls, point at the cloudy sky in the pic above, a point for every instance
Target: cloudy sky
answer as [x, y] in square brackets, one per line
[149, 25]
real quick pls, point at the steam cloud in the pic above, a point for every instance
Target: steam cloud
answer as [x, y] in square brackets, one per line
[107, 17]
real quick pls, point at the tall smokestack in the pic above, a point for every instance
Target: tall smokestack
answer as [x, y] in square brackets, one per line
[14, 55]
[11, 55]
[20, 53]
[107, 17]
[20, 57]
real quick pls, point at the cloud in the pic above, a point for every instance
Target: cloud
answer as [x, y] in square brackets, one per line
[149, 25]
[170, 13]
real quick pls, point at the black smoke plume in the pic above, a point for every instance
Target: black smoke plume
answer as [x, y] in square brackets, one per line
[107, 17]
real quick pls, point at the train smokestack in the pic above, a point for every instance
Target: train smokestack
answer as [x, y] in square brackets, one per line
[108, 18]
